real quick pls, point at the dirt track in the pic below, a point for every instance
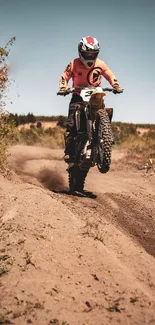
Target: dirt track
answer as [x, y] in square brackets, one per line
[69, 260]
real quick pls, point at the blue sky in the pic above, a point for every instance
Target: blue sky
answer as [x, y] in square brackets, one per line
[48, 33]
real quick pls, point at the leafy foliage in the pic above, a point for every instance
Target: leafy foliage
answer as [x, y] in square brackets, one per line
[6, 124]
[7, 135]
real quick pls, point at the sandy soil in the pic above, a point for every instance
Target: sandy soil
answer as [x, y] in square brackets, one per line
[68, 260]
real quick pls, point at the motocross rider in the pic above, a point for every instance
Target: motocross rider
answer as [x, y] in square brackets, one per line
[85, 71]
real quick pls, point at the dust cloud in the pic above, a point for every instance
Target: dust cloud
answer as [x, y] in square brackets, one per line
[38, 166]
[51, 179]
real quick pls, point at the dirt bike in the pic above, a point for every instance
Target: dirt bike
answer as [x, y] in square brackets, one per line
[94, 139]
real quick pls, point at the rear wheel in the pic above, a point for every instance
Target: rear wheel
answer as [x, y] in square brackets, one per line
[76, 179]
[105, 140]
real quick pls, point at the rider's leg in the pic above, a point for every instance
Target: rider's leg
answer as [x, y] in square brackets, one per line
[71, 128]
[70, 132]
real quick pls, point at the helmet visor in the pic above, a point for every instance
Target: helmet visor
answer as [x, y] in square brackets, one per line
[89, 55]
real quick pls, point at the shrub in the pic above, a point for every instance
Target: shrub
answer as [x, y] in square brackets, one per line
[62, 121]
[50, 138]
[7, 136]
[7, 131]
[39, 125]
[122, 131]
[28, 136]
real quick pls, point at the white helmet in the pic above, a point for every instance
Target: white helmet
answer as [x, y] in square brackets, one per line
[88, 50]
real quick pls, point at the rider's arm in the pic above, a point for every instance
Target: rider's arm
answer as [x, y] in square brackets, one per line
[109, 75]
[66, 76]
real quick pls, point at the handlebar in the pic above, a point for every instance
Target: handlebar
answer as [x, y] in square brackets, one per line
[72, 90]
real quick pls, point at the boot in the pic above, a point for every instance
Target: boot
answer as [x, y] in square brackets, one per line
[68, 147]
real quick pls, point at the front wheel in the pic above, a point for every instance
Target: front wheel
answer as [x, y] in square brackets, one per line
[104, 140]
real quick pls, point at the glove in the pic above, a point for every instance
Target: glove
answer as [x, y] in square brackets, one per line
[117, 90]
[62, 89]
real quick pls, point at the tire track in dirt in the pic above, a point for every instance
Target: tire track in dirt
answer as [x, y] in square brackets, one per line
[137, 217]
[124, 218]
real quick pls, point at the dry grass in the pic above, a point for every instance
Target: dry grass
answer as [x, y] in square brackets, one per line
[141, 150]
[44, 124]
[49, 138]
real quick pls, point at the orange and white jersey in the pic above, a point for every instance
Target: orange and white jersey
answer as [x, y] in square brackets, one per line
[86, 77]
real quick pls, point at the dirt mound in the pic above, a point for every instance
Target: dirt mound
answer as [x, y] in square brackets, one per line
[69, 260]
